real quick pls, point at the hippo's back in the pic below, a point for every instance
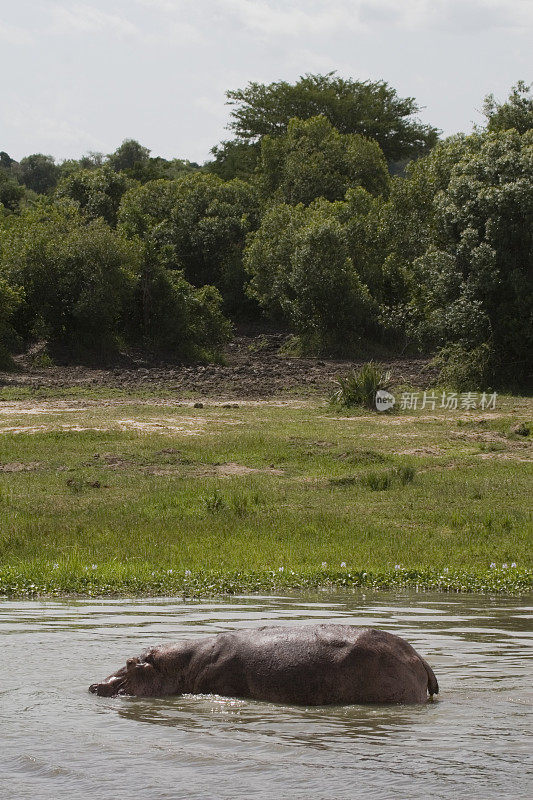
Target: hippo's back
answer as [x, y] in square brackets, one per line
[311, 665]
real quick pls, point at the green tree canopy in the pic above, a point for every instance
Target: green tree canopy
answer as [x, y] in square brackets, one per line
[11, 192]
[301, 272]
[468, 259]
[203, 220]
[39, 173]
[234, 159]
[97, 191]
[312, 159]
[516, 112]
[77, 276]
[128, 155]
[369, 108]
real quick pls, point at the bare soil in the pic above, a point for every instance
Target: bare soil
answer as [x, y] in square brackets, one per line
[253, 368]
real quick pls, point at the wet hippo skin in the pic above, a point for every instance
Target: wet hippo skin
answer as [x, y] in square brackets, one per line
[301, 665]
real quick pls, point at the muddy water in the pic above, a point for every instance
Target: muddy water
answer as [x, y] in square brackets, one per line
[58, 741]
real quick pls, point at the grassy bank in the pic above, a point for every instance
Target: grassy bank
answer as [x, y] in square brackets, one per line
[121, 495]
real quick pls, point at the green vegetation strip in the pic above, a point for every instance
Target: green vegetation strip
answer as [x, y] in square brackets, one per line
[56, 580]
[160, 499]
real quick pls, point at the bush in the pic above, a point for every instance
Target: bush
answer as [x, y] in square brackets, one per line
[302, 274]
[360, 386]
[171, 317]
[10, 299]
[77, 278]
[463, 369]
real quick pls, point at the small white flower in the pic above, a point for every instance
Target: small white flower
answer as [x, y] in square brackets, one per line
[170, 571]
[187, 572]
[493, 565]
[513, 564]
[397, 566]
[56, 566]
[280, 569]
[446, 569]
[94, 566]
[343, 563]
[504, 566]
[324, 565]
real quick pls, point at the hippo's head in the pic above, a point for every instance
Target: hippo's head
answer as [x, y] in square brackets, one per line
[147, 676]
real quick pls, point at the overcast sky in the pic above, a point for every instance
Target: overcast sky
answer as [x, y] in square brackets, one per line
[79, 76]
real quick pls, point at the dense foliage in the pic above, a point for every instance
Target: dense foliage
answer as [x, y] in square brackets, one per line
[334, 213]
[371, 109]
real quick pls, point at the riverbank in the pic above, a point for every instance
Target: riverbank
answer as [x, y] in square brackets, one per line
[164, 496]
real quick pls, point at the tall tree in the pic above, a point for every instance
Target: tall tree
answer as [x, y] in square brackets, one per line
[129, 155]
[97, 192]
[370, 108]
[516, 112]
[39, 173]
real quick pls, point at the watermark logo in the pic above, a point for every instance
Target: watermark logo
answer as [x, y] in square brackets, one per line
[449, 401]
[384, 400]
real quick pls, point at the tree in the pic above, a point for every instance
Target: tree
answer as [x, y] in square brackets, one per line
[77, 277]
[10, 299]
[485, 221]
[204, 220]
[314, 160]
[170, 316]
[371, 109]
[301, 272]
[234, 159]
[472, 289]
[5, 161]
[11, 192]
[97, 192]
[516, 113]
[39, 173]
[129, 155]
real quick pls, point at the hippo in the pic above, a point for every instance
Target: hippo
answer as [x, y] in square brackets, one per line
[306, 665]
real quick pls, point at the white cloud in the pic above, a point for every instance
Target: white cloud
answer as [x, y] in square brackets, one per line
[273, 17]
[55, 132]
[13, 34]
[294, 19]
[82, 18]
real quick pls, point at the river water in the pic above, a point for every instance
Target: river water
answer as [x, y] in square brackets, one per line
[58, 741]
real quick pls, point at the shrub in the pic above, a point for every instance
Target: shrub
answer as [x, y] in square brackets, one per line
[10, 299]
[465, 369]
[302, 274]
[214, 502]
[360, 386]
[405, 474]
[377, 481]
[77, 277]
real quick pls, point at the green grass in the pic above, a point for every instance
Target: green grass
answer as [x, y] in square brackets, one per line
[124, 496]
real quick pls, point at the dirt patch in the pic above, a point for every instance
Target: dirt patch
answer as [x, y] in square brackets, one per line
[420, 451]
[161, 470]
[506, 457]
[19, 466]
[254, 368]
[111, 460]
[231, 469]
[189, 426]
